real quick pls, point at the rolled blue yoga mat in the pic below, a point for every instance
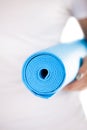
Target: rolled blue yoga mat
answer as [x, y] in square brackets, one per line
[48, 71]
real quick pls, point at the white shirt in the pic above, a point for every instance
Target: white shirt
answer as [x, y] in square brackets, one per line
[27, 26]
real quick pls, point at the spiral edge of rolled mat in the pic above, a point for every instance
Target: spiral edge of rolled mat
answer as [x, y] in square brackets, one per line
[45, 95]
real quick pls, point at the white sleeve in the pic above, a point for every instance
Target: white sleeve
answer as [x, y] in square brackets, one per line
[79, 8]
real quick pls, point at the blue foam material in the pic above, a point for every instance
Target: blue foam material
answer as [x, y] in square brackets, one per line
[48, 71]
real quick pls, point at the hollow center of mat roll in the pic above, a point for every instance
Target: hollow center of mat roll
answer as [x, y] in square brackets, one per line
[43, 73]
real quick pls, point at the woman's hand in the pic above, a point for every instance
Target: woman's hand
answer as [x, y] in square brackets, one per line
[81, 79]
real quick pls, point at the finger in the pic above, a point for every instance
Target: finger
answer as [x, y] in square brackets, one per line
[81, 78]
[77, 85]
[71, 86]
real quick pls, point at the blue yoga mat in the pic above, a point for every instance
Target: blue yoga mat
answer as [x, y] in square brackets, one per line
[48, 71]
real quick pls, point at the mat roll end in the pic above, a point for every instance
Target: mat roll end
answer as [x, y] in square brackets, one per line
[43, 73]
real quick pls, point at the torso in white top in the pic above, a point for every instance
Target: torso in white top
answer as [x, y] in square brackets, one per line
[26, 27]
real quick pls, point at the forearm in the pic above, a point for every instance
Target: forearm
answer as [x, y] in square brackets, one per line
[83, 24]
